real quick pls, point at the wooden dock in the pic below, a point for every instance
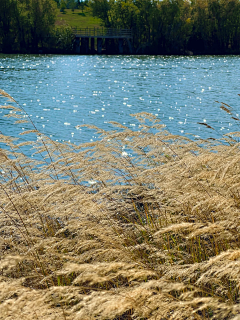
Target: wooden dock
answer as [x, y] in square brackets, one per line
[103, 36]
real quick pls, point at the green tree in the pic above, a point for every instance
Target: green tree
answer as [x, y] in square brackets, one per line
[102, 9]
[123, 14]
[42, 16]
[25, 23]
[174, 25]
[63, 5]
[72, 5]
[8, 27]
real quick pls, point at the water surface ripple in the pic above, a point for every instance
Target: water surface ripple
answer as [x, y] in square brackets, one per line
[61, 92]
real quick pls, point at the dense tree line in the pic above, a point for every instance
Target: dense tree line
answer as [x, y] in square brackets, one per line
[29, 25]
[175, 26]
[159, 27]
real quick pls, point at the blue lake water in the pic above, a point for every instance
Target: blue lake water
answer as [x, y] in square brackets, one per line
[60, 92]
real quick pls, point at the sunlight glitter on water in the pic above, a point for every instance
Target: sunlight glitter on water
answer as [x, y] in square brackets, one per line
[51, 87]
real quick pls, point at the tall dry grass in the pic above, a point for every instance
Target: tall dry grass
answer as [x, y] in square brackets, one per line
[138, 225]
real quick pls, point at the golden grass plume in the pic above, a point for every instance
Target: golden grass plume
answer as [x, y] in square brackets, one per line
[137, 225]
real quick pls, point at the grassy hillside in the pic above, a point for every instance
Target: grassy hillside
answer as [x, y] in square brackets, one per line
[78, 19]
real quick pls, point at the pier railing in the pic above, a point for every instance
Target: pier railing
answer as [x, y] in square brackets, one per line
[102, 33]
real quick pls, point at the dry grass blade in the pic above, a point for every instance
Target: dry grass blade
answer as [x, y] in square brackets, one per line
[6, 95]
[226, 109]
[206, 125]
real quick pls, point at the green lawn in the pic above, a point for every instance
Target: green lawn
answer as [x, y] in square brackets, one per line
[78, 19]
